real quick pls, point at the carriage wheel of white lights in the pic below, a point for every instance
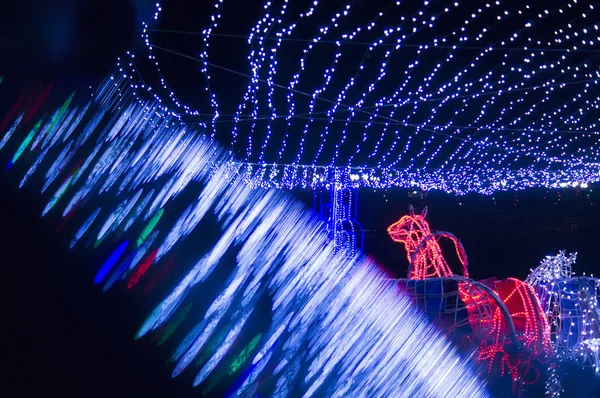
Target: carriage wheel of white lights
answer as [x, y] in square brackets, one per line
[438, 95]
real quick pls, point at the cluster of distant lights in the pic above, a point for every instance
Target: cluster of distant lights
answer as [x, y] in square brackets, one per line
[486, 116]
[336, 328]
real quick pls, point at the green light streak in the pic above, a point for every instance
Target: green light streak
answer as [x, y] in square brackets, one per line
[150, 227]
[98, 243]
[174, 324]
[26, 142]
[207, 352]
[60, 114]
[237, 362]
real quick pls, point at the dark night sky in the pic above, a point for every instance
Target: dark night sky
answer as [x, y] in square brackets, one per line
[65, 337]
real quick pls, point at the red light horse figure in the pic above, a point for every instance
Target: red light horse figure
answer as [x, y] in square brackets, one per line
[514, 333]
[422, 248]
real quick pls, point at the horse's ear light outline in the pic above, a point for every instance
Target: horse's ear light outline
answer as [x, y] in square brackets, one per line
[424, 212]
[411, 209]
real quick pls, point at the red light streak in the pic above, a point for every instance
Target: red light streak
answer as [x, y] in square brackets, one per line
[161, 274]
[36, 106]
[141, 270]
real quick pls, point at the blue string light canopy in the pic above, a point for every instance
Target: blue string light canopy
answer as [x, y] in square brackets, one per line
[458, 96]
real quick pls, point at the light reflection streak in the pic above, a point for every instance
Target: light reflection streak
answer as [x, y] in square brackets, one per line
[222, 351]
[10, 132]
[86, 225]
[336, 327]
[118, 272]
[24, 144]
[110, 262]
[174, 324]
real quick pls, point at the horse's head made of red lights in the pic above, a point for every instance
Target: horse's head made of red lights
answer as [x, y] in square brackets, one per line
[422, 247]
[411, 229]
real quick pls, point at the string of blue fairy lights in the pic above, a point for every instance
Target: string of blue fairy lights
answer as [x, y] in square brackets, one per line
[459, 96]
